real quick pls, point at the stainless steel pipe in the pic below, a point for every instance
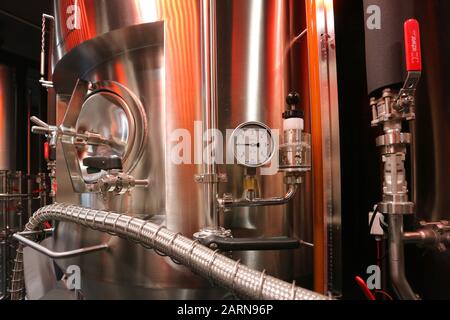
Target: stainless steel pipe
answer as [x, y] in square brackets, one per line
[225, 272]
[240, 203]
[417, 237]
[58, 255]
[397, 259]
[209, 111]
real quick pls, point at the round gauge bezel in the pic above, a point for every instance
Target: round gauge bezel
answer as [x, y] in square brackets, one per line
[257, 125]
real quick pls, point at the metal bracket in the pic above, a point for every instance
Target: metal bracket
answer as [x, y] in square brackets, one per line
[45, 83]
[58, 255]
[327, 42]
[410, 85]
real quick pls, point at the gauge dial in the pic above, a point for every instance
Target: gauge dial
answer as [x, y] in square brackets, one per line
[253, 144]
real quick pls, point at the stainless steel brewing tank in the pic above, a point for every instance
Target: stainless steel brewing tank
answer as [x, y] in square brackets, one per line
[151, 49]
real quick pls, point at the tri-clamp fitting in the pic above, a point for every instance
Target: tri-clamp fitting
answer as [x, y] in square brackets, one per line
[115, 180]
[393, 144]
[118, 183]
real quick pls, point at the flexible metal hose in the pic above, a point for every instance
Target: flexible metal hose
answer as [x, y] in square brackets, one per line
[243, 281]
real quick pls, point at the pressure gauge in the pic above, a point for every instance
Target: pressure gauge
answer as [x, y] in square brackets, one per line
[253, 144]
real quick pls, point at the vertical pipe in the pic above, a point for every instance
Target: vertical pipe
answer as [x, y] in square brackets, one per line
[3, 238]
[314, 51]
[28, 176]
[3, 247]
[413, 159]
[209, 109]
[28, 132]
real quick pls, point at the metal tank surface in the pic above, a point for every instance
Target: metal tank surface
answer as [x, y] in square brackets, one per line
[253, 81]
[431, 157]
[142, 59]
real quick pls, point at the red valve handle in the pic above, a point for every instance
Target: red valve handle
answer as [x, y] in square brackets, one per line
[412, 46]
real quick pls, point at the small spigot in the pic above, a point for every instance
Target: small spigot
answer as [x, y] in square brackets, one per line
[119, 183]
[79, 139]
[115, 181]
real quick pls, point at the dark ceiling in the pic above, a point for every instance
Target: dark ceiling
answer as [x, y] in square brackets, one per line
[20, 26]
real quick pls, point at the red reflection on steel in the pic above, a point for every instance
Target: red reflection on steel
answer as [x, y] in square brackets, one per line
[78, 23]
[120, 72]
[182, 48]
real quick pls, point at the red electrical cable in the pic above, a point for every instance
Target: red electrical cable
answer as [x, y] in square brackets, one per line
[384, 293]
[365, 289]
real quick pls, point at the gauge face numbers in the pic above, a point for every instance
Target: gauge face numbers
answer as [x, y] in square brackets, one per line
[253, 144]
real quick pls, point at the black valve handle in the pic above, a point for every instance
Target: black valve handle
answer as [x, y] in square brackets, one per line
[97, 164]
[293, 101]
[250, 244]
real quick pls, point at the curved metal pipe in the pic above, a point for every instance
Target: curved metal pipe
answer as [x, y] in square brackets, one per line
[58, 255]
[225, 272]
[292, 191]
[397, 259]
